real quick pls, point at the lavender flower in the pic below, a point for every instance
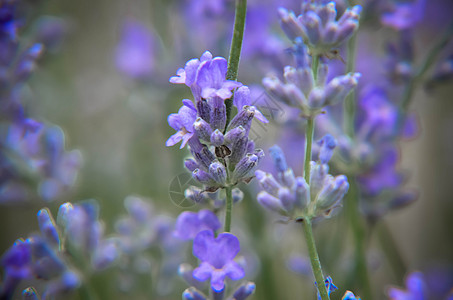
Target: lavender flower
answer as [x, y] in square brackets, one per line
[318, 25]
[216, 256]
[182, 122]
[416, 289]
[33, 155]
[301, 91]
[221, 157]
[135, 51]
[189, 224]
[291, 196]
[404, 14]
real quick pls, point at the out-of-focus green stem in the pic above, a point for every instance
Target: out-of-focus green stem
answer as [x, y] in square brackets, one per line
[314, 66]
[359, 233]
[309, 130]
[416, 78]
[391, 251]
[229, 209]
[314, 259]
[349, 102]
[235, 49]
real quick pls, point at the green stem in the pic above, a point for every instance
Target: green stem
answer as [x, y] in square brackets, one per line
[235, 49]
[349, 102]
[358, 230]
[314, 66]
[229, 208]
[391, 251]
[309, 129]
[314, 259]
[414, 80]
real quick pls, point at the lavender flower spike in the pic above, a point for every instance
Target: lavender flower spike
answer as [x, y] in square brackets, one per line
[216, 255]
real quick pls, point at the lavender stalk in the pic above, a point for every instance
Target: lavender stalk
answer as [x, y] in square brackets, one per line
[235, 49]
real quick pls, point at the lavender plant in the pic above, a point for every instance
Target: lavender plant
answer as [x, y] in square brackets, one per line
[344, 111]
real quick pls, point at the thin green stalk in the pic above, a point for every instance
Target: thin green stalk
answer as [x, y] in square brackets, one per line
[229, 208]
[349, 102]
[235, 49]
[314, 259]
[310, 128]
[391, 251]
[359, 233]
[414, 80]
[314, 66]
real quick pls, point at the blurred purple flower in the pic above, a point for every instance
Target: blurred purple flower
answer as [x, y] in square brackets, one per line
[135, 53]
[216, 255]
[189, 224]
[416, 289]
[17, 260]
[383, 175]
[435, 284]
[404, 14]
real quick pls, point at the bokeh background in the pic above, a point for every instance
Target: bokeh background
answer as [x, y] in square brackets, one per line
[120, 125]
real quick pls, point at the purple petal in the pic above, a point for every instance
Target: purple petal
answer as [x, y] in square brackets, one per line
[174, 139]
[206, 56]
[202, 272]
[217, 280]
[234, 270]
[241, 97]
[201, 244]
[179, 78]
[191, 71]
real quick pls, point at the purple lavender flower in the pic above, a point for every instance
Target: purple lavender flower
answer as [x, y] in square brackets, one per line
[206, 77]
[300, 90]
[244, 291]
[17, 260]
[404, 14]
[291, 196]
[434, 284]
[383, 174]
[183, 123]
[135, 51]
[416, 289]
[318, 25]
[189, 224]
[216, 256]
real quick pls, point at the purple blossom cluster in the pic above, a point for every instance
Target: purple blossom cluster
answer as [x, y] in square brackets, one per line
[301, 90]
[44, 256]
[292, 197]
[33, 157]
[216, 254]
[223, 154]
[319, 26]
[140, 231]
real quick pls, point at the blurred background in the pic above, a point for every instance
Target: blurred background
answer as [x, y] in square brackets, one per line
[114, 110]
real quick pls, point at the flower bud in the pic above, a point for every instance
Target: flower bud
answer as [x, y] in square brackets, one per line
[203, 129]
[244, 291]
[217, 138]
[269, 201]
[217, 172]
[48, 227]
